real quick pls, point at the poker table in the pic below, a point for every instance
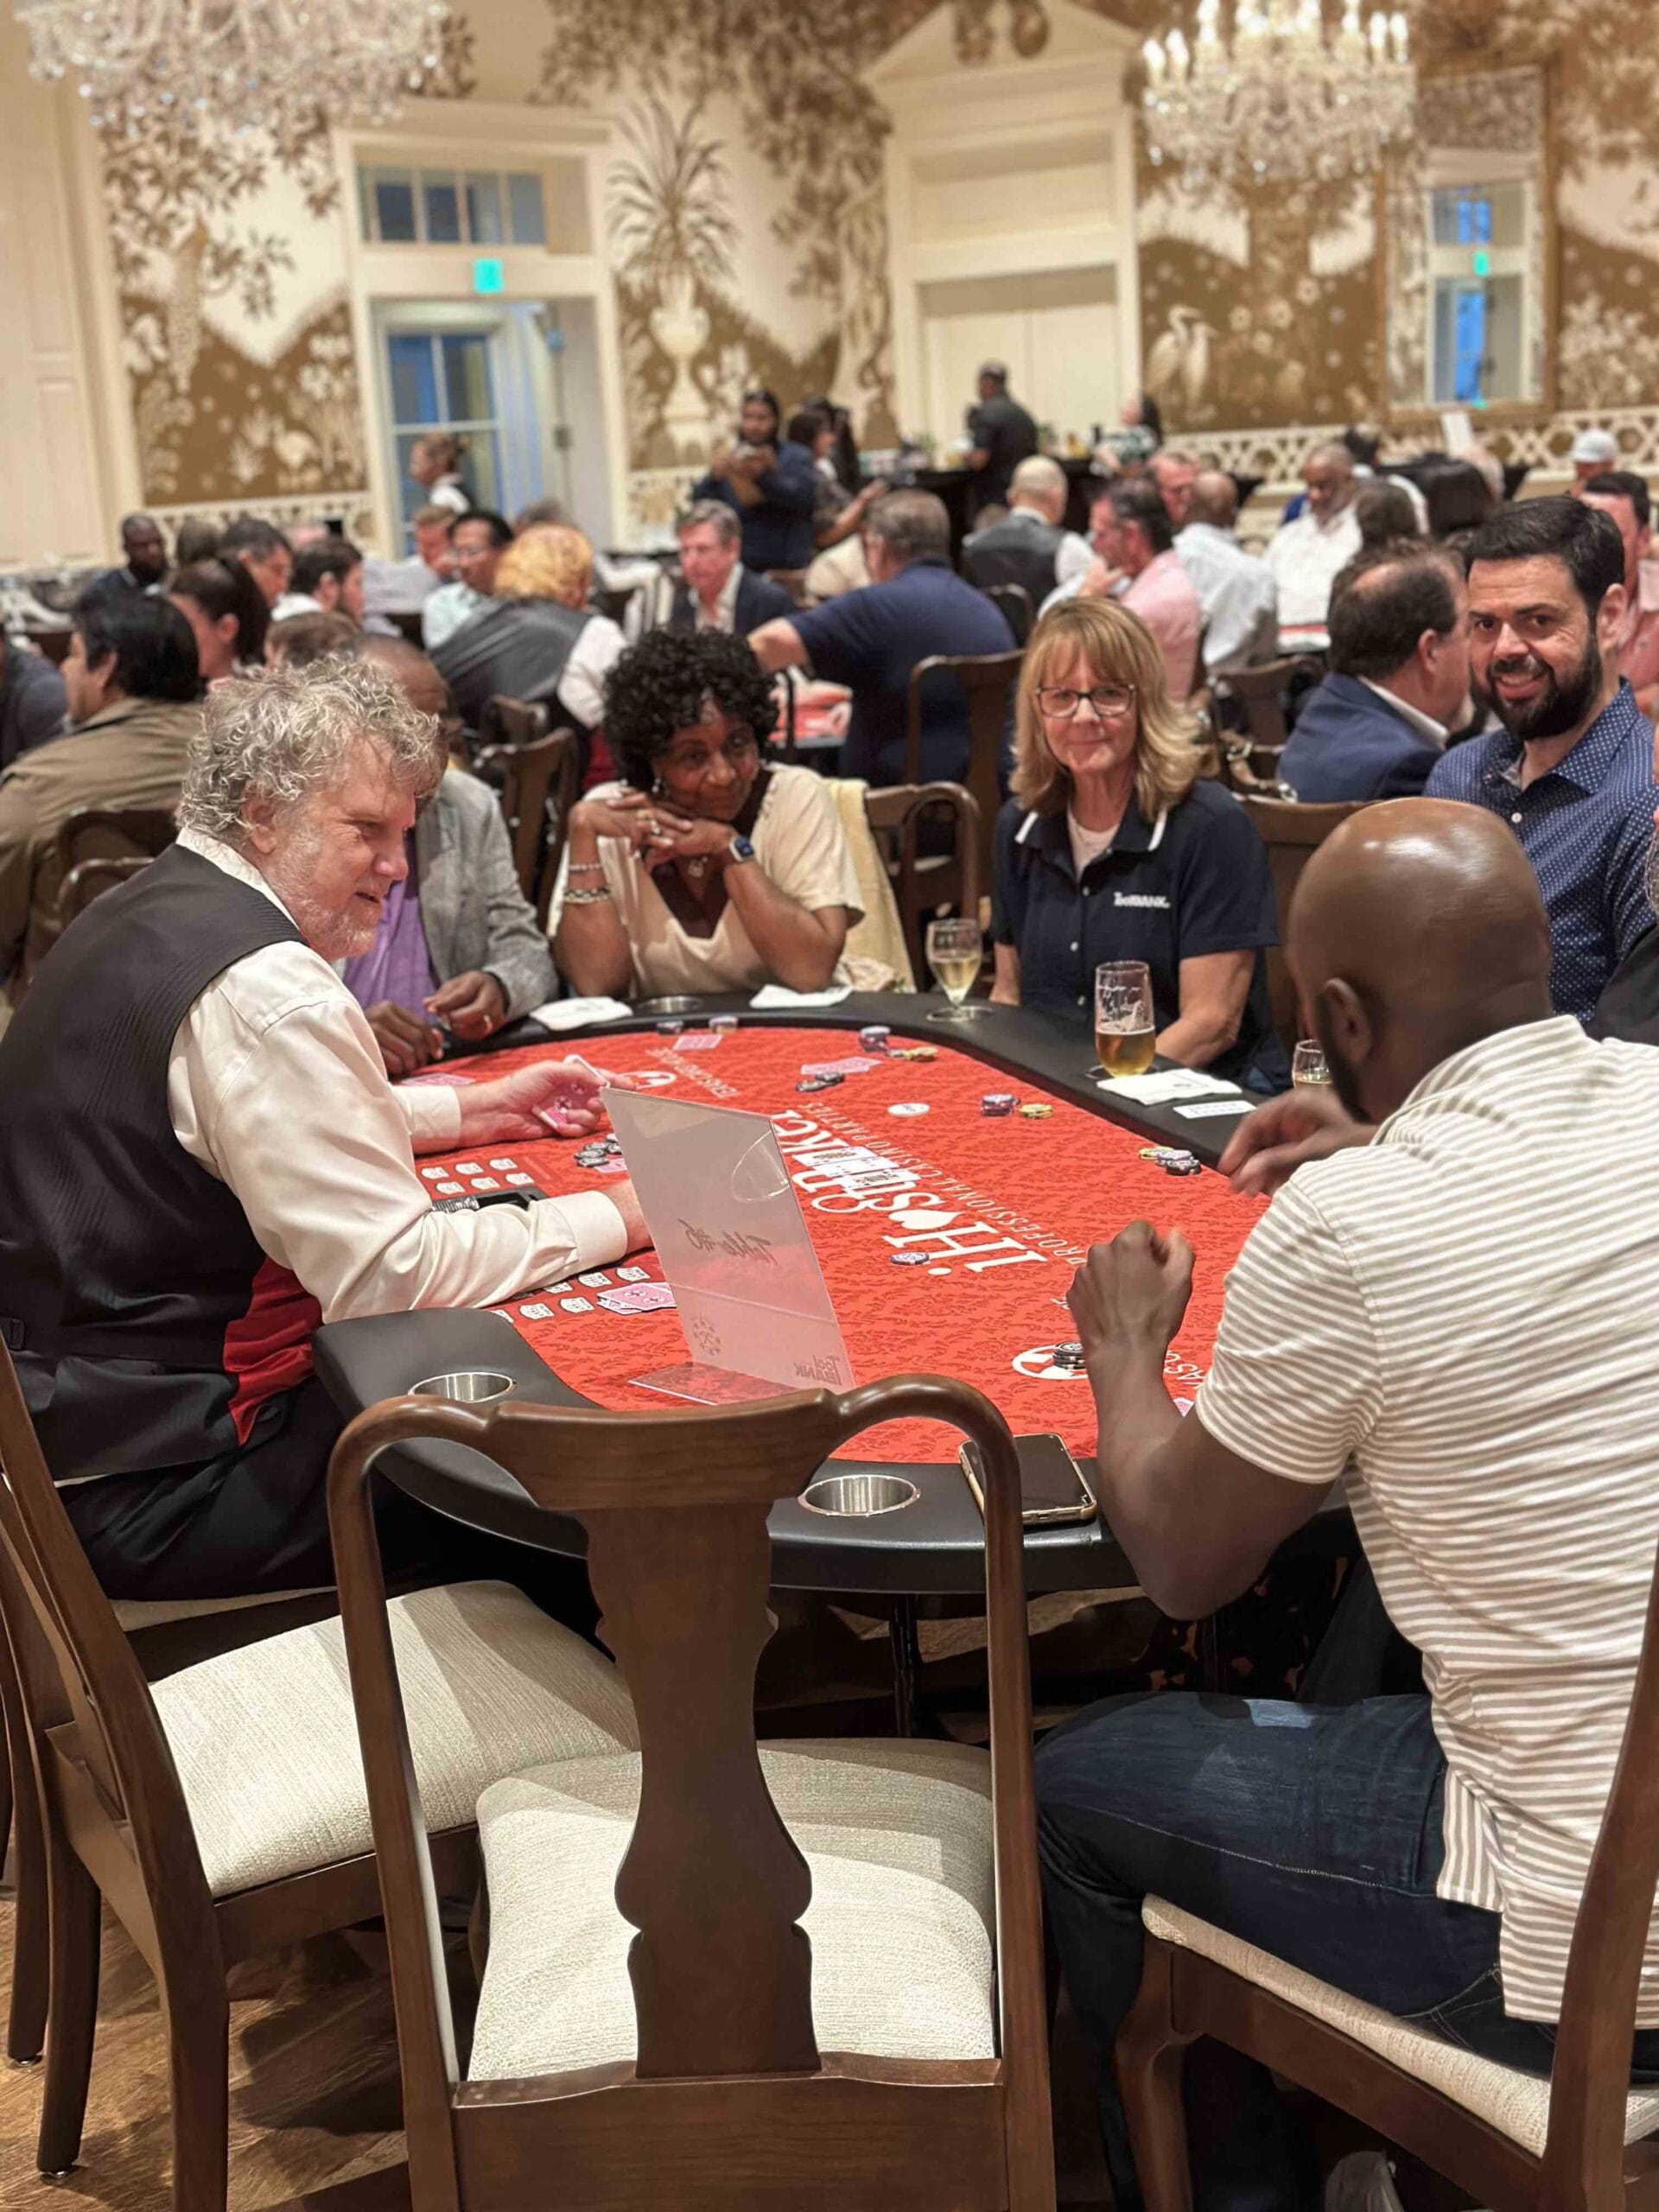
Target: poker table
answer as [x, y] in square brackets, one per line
[999, 1210]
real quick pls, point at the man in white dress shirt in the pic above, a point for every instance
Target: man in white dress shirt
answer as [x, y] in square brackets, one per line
[1237, 592]
[1308, 555]
[201, 1157]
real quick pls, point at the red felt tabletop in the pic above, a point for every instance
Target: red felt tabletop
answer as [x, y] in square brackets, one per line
[1003, 1209]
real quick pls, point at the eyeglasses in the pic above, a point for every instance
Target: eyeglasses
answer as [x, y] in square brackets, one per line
[1111, 702]
[738, 751]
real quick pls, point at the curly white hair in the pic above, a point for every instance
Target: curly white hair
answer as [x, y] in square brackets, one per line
[276, 737]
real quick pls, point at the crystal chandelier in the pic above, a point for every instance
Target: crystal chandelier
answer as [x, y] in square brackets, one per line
[271, 65]
[1283, 103]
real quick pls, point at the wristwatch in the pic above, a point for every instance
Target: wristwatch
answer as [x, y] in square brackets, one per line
[741, 849]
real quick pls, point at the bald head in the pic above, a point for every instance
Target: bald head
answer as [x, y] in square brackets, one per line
[408, 668]
[1417, 929]
[1040, 483]
[1215, 499]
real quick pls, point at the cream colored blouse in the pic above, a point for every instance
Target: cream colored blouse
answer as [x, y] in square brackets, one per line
[800, 842]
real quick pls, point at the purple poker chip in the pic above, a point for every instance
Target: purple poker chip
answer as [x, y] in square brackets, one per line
[996, 1103]
[875, 1038]
[819, 1082]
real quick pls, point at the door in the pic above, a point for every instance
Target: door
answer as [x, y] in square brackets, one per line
[1057, 330]
[444, 379]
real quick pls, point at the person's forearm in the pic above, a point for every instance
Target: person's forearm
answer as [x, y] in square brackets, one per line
[1195, 1038]
[590, 950]
[1141, 1502]
[743, 488]
[793, 943]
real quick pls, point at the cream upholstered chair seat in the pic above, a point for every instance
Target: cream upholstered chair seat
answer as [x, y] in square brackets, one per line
[1516, 2103]
[898, 1839]
[136, 1613]
[265, 1738]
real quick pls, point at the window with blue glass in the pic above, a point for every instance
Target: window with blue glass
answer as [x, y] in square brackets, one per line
[432, 206]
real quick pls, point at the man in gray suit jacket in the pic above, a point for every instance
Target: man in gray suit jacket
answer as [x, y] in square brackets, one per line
[459, 948]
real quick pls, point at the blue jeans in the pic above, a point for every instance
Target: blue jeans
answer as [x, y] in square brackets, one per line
[1311, 1830]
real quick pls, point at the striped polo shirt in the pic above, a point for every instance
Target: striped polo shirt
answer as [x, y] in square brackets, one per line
[1464, 1316]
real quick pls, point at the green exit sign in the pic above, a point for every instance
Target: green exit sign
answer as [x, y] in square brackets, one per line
[1483, 264]
[488, 275]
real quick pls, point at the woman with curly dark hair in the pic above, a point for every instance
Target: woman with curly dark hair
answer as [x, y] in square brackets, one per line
[708, 867]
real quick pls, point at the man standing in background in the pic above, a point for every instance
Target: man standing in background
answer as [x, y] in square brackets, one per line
[1003, 435]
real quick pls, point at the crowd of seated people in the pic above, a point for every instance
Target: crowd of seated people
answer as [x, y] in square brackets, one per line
[341, 905]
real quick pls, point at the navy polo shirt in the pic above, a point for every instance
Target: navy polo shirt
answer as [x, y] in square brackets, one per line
[870, 639]
[1585, 827]
[1194, 881]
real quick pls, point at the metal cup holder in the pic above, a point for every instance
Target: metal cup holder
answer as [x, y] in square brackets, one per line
[858, 1497]
[465, 1386]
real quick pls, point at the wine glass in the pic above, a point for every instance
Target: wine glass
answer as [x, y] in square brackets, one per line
[1125, 1031]
[1308, 1066]
[955, 949]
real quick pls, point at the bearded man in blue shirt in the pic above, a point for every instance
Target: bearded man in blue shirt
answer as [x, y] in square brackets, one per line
[1571, 767]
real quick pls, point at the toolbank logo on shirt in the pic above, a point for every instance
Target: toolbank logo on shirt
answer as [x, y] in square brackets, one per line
[1155, 898]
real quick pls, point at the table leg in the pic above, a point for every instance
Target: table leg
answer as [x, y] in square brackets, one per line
[906, 1662]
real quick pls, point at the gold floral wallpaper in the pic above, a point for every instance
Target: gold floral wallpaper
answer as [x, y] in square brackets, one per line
[744, 216]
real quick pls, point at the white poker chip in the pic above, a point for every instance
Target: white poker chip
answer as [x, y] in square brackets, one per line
[435, 1174]
[908, 1109]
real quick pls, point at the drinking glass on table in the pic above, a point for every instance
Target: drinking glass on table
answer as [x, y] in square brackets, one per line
[955, 950]
[1124, 1030]
[1308, 1066]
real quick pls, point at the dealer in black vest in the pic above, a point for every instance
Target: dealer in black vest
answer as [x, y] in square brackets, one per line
[1112, 848]
[201, 1157]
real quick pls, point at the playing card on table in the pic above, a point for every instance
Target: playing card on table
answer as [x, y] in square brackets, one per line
[637, 1298]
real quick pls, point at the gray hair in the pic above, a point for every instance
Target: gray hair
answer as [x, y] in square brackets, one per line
[278, 736]
[716, 514]
[912, 525]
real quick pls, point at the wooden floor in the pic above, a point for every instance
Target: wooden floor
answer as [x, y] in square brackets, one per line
[313, 2087]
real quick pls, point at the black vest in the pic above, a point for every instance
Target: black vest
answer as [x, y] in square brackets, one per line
[122, 1262]
[1014, 553]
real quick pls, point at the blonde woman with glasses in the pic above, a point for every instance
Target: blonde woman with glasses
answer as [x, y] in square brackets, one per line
[1111, 849]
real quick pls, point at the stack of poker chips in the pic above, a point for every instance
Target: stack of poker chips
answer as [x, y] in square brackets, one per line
[1171, 1159]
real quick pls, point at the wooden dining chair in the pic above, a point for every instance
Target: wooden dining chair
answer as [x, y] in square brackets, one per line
[1572, 2143]
[1291, 831]
[987, 681]
[725, 2058]
[531, 774]
[89, 879]
[1019, 609]
[220, 1813]
[925, 885]
[97, 833]
[410, 625]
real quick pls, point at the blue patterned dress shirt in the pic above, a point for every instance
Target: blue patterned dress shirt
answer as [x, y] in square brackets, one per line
[1585, 827]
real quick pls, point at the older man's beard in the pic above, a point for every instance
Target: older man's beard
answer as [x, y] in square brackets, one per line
[1558, 707]
[336, 936]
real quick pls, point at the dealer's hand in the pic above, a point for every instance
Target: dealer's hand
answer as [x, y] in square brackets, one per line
[406, 1042]
[1308, 1123]
[473, 1005]
[1133, 1292]
[554, 1098]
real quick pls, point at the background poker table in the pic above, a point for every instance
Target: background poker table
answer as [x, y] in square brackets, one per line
[1003, 1210]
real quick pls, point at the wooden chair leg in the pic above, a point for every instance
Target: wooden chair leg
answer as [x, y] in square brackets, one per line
[26, 2021]
[1151, 2056]
[71, 2014]
[198, 2048]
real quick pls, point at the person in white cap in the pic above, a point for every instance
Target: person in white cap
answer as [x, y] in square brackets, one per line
[1591, 451]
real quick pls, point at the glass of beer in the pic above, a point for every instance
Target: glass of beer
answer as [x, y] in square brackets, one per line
[1307, 1064]
[955, 949]
[1124, 1030]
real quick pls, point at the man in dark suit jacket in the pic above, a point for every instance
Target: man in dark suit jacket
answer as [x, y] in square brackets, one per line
[1398, 678]
[719, 592]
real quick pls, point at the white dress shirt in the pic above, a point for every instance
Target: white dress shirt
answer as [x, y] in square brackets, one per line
[582, 687]
[275, 1084]
[1305, 557]
[1425, 725]
[446, 609]
[1238, 593]
[293, 604]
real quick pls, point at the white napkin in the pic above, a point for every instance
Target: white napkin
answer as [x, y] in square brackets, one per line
[773, 998]
[576, 1013]
[1158, 1088]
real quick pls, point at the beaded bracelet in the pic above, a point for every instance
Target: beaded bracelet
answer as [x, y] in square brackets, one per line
[586, 868]
[587, 898]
